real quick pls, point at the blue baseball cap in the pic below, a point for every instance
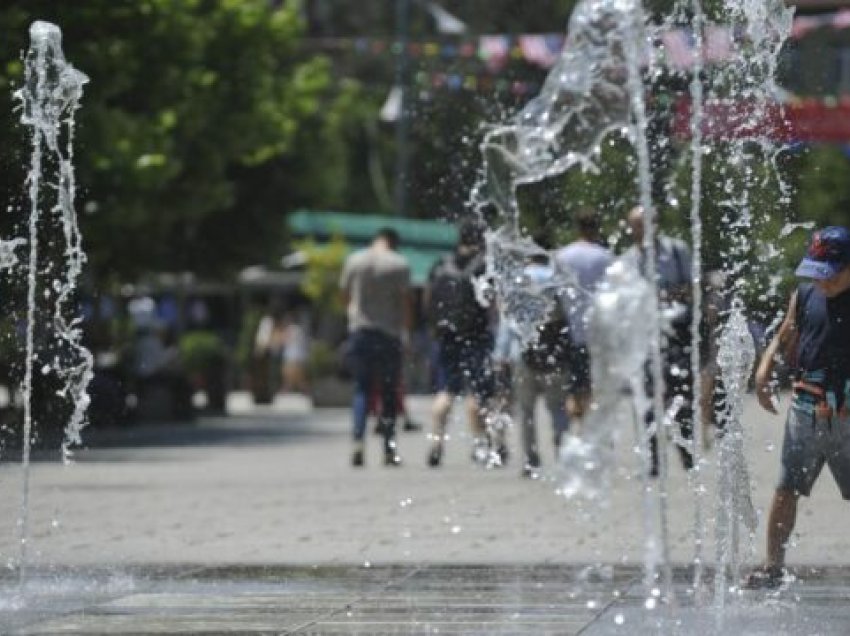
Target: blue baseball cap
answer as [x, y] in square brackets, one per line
[827, 255]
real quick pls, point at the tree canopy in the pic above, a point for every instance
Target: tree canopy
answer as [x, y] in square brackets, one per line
[188, 102]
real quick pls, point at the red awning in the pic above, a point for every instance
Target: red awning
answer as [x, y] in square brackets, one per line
[804, 121]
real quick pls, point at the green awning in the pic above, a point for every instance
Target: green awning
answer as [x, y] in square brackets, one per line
[423, 242]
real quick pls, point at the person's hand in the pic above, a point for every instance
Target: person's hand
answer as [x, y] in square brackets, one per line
[765, 393]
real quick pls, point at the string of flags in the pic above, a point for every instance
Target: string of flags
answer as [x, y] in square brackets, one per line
[678, 45]
[474, 82]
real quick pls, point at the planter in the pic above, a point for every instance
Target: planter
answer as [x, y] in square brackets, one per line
[331, 391]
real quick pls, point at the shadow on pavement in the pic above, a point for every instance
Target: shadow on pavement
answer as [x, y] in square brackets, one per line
[237, 430]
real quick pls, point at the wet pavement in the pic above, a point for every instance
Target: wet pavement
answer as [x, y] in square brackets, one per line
[257, 524]
[521, 600]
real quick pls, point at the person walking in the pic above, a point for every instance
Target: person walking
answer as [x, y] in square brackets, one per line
[814, 337]
[542, 369]
[462, 329]
[376, 289]
[587, 259]
[672, 273]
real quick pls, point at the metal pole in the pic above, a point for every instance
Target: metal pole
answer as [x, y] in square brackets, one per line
[402, 123]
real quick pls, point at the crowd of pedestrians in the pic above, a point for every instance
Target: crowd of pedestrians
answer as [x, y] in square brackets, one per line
[479, 353]
[480, 356]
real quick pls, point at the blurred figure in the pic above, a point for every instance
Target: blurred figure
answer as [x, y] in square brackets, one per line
[587, 259]
[408, 424]
[506, 356]
[542, 370]
[673, 277]
[267, 355]
[156, 361]
[375, 283]
[465, 343]
[714, 304]
[295, 347]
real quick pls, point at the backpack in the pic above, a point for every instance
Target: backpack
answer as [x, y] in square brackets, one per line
[550, 352]
[453, 307]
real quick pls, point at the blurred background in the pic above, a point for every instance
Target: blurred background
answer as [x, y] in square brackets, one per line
[231, 153]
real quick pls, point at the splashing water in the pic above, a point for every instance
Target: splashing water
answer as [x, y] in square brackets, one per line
[598, 89]
[735, 357]
[50, 95]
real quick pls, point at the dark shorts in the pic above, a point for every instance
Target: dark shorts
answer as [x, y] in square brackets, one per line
[810, 442]
[465, 366]
[578, 370]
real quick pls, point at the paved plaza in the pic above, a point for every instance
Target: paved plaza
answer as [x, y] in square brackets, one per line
[256, 524]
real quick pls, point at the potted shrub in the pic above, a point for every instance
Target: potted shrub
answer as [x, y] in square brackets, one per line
[204, 357]
[328, 384]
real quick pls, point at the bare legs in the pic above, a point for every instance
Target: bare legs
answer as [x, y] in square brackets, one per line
[780, 525]
[440, 412]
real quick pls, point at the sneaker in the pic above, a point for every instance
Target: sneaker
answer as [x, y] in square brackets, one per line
[391, 457]
[357, 458]
[435, 457]
[480, 452]
[531, 469]
[502, 455]
[768, 577]
[411, 426]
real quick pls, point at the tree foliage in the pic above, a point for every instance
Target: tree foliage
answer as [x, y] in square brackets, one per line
[188, 101]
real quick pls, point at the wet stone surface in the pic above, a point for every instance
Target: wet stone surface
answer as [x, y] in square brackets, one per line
[538, 600]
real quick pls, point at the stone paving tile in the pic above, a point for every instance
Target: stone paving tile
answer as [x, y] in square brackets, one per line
[453, 600]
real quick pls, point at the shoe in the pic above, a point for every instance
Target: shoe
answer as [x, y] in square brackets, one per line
[502, 455]
[357, 458]
[531, 469]
[768, 577]
[411, 426]
[380, 428]
[391, 458]
[435, 457]
[481, 452]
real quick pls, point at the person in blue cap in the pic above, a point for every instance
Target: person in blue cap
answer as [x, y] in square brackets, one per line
[815, 339]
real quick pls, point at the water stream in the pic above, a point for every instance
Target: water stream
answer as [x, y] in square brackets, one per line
[596, 91]
[48, 99]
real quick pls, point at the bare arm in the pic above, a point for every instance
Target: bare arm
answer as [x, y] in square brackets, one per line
[781, 347]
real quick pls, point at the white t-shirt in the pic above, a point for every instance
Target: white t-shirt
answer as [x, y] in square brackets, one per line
[588, 262]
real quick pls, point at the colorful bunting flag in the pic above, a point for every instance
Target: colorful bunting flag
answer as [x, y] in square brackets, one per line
[544, 49]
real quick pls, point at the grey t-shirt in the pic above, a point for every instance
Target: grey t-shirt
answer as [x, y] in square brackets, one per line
[673, 270]
[377, 281]
[673, 262]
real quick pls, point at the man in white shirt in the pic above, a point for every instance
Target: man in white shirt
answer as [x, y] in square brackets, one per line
[586, 258]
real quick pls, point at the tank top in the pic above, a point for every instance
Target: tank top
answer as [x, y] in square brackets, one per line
[824, 327]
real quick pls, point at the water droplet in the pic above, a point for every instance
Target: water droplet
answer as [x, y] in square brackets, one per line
[591, 604]
[650, 603]
[455, 529]
[619, 619]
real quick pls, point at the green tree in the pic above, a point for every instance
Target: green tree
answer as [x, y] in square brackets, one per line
[188, 102]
